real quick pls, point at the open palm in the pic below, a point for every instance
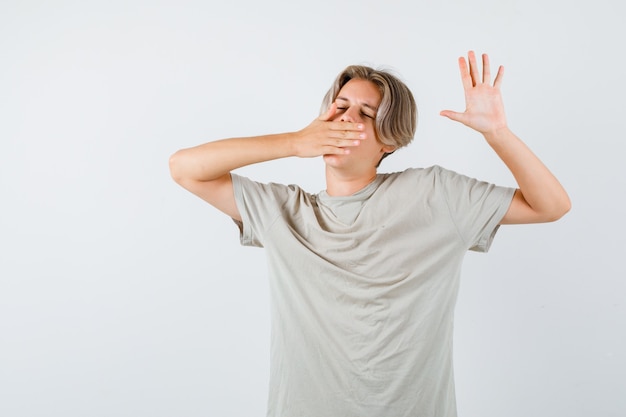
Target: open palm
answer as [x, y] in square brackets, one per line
[484, 110]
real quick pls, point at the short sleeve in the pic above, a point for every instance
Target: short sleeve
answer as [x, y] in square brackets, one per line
[259, 206]
[476, 207]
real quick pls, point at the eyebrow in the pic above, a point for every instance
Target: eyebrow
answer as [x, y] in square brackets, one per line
[369, 106]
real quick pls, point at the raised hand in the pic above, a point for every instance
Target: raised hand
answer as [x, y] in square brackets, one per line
[484, 110]
[325, 136]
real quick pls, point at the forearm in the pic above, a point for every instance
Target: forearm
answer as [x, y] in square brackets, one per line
[215, 159]
[539, 187]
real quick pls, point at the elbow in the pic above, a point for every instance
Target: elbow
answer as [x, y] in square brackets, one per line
[567, 206]
[560, 210]
[546, 211]
[175, 166]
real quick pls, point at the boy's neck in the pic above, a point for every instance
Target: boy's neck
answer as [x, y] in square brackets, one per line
[340, 184]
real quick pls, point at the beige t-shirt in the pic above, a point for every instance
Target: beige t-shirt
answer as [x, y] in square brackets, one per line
[363, 289]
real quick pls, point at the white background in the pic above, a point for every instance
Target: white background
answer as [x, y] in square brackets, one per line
[123, 295]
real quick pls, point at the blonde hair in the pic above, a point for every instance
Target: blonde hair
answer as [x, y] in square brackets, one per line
[396, 118]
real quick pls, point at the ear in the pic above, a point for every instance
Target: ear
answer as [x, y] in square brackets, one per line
[388, 148]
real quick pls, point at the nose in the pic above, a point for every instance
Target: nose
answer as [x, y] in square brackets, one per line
[351, 114]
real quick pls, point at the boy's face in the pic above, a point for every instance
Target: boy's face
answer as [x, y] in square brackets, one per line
[358, 102]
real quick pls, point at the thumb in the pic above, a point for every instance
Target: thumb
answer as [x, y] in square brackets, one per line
[453, 115]
[329, 113]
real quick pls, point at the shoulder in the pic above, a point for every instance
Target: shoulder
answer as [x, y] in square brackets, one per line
[433, 180]
[418, 175]
[246, 186]
[447, 177]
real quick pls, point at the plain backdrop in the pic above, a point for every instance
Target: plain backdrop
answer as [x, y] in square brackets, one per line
[121, 294]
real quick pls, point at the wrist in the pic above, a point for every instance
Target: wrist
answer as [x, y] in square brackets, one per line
[290, 142]
[497, 135]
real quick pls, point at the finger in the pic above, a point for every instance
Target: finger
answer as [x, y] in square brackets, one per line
[486, 70]
[345, 143]
[466, 78]
[453, 115]
[499, 76]
[473, 68]
[346, 127]
[339, 147]
[333, 150]
[346, 135]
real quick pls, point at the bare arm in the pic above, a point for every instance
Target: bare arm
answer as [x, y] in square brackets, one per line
[540, 197]
[205, 169]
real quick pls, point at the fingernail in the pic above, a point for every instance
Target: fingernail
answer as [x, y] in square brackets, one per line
[359, 126]
[362, 135]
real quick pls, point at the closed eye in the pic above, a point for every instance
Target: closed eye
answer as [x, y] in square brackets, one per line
[362, 112]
